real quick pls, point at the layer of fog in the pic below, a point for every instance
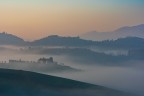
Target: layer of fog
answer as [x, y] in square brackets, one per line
[114, 52]
[127, 78]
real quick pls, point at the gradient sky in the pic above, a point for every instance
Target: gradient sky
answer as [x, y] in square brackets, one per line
[33, 19]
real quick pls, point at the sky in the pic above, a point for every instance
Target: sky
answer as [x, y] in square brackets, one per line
[33, 19]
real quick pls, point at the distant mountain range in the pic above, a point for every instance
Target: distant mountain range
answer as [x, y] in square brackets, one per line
[133, 31]
[55, 40]
[24, 83]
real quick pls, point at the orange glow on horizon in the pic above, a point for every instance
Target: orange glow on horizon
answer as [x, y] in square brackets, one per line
[33, 21]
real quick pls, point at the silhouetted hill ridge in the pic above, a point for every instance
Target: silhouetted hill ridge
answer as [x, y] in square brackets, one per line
[55, 40]
[9, 39]
[24, 83]
[128, 42]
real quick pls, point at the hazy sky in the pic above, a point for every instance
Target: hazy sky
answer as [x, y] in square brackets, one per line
[33, 19]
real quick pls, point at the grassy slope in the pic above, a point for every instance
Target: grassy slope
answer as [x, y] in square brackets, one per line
[24, 83]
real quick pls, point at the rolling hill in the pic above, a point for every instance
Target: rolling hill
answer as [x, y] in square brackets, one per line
[24, 83]
[9, 39]
[55, 40]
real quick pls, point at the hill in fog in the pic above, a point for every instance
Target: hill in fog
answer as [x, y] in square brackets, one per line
[55, 40]
[9, 39]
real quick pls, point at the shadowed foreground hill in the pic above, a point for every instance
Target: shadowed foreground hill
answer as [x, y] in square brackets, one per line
[24, 83]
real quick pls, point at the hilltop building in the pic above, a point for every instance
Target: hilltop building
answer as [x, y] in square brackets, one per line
[46, 60]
